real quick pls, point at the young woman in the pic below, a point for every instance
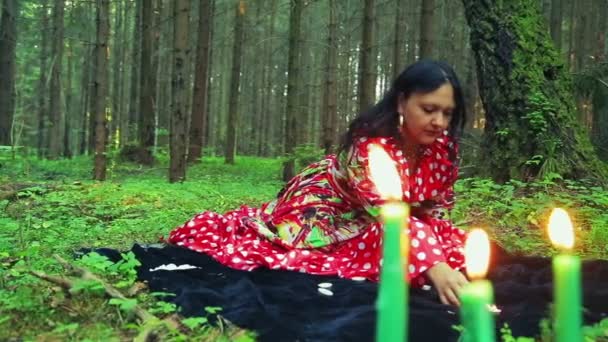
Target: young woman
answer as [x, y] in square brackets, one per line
[324, 221]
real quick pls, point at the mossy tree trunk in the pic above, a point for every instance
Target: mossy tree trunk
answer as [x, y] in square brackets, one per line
[531, 128]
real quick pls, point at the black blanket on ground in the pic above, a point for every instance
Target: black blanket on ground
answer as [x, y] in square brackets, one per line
[287, 306]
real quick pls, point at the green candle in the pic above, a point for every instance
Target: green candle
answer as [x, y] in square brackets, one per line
[392, 319]
[392, 302]
[567, 296]
[476, 296]
[477, 319]
[566, 280]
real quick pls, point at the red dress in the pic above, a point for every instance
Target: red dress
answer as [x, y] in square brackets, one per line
[324, 221]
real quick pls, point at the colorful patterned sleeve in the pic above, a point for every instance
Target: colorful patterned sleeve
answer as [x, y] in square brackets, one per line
[357, 172]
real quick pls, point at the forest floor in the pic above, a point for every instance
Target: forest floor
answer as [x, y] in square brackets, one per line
[52, 208]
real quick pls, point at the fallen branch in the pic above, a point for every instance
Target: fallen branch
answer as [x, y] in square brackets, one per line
[111, 291]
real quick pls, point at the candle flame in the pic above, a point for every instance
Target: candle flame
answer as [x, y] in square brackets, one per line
[477, 253]
[383, 173]
[561, 231]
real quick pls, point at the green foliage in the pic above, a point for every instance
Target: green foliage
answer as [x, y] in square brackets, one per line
[66, 212]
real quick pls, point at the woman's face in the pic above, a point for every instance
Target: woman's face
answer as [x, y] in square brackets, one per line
[426, 115]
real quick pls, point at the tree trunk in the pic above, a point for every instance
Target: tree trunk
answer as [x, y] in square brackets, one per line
[201, 77]
[55, 110]
[330, 110]
[117, 72]
[8, 43]
[101, 88]
[178, 132]
[295, 17]
[145, 124]
[135, 64]
[426, 28]
[233, 115]
[42, 86]
[556, 24]
[67, 149]
[367, 60]
[399, 35]
[530, 129]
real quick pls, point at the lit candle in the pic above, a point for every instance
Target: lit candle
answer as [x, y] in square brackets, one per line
[392, 302]
[476, 296]
[566, 279]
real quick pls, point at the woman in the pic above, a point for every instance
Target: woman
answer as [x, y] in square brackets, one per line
[324, 221]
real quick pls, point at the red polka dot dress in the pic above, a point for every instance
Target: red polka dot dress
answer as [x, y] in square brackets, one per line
[325, 220]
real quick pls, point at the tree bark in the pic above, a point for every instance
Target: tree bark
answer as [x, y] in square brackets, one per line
[8, 42]
[42, 80]
[531, 130]
[367, 75]
[201, 78]
[145, 124]
[178, 132]
[330, 109]
[67, 130]
[556, 24]
[233, 115]
[135, 65]
[426, 28]
[55, 110]
[101, 89]
[295, 17]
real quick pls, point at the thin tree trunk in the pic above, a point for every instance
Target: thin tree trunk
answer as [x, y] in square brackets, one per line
[399, 34]
[426, 28]
[55, 110]
[135, 64]
[178, 131]
[292, 111]
[556, 23]
[145, 122]
[117, 63]
[367, 75]
[101, 89]
[42, 80]
[123, 111]
[330, 109]
[267, 128]
[67, 149]
[8, 42]
[201, 77]
[233, 115]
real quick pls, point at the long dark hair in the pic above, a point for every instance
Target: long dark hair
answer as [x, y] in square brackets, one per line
[382, 119]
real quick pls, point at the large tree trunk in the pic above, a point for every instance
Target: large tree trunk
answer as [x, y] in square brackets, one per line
[178, 132]
[530, 129]
[101, 88]
[42, 104]
[8, 43]
[145, 124]
[55, 110]
[367, 60]
[426, 28]
[330, 109]
[201, 77]
[233, 114]
[295, 17]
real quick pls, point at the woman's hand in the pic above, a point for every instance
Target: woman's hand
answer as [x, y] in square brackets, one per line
[447, 281]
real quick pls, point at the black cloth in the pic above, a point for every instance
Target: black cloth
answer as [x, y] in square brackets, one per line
[287, 306]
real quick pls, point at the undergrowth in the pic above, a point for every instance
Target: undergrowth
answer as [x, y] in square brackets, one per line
[57, 210]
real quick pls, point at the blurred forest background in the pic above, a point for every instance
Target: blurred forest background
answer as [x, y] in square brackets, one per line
[284, 77]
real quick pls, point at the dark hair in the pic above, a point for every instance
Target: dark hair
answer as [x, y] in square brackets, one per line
[382, 119]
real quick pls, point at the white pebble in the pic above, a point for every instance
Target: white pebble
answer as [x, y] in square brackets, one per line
[358, 278]
[325, 285]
